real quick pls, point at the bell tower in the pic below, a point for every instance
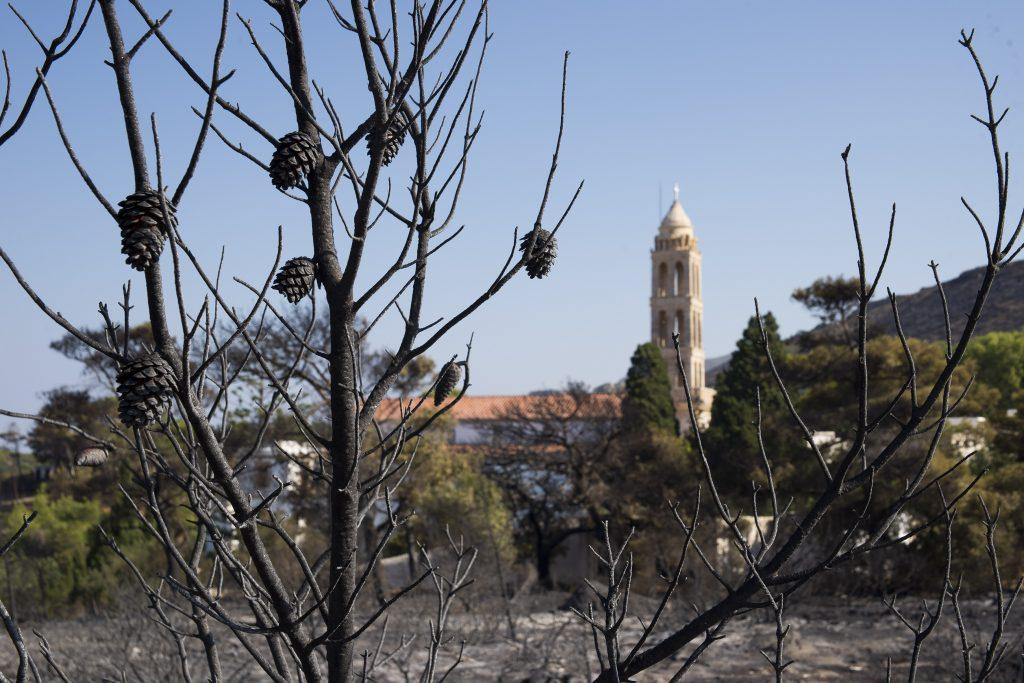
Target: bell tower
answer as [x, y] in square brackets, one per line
[676, 308]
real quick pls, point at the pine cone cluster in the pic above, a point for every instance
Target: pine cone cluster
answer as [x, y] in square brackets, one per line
[296, 156]
[295, 278]
[390, 139]
[449, 378]
[141, 219]
[144, 386]
[545, 249]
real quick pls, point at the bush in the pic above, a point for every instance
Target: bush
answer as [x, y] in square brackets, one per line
[448, 490]
[53, 564]
[61, 566]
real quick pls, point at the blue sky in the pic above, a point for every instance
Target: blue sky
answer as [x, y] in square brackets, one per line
[746, 104]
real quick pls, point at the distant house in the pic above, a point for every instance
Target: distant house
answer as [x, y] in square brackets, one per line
[277, 461]
[284, 465]
[968, 434]
[477, 418]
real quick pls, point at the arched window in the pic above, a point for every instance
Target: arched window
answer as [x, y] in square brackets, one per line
[662, 329]
[681, 327]
[680, 279]
[663, 280]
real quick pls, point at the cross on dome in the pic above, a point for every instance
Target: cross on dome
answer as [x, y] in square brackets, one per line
[676, 221]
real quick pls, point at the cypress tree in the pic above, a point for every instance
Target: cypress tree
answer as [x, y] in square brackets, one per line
[732, 436]
[648, 406]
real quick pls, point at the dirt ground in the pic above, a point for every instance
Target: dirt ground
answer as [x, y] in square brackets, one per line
[828, 641]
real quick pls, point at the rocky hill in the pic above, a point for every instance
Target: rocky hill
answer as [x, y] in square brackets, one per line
[921, 312]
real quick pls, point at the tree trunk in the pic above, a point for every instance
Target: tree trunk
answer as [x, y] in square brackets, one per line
[371, 537]
[345, 438]
[344, 500]
[544, 557]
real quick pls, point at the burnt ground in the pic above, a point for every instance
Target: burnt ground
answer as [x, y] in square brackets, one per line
[828, 641]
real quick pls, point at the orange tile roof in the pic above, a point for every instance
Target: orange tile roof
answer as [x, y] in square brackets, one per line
[490, 408]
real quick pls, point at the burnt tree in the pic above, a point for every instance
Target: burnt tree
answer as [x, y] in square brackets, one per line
[417, 118]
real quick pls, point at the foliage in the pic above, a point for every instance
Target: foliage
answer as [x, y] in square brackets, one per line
[1007, 445]
[732, 440]
[821, 378]
[55, 445]
[818, 379]
[832, 300]
[448, 491]
[999, 359]
[647, 405]
[52, 564]
[63, 566]
[1004, 492]
[14, 459]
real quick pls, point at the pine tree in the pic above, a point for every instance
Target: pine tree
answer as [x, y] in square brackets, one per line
[647, 406]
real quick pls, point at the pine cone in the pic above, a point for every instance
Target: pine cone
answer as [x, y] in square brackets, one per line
[297, 155]
[91, 456]
[144, 387]
[295, 278]
[545, 249]
[451, 375]
[141, 219]
[391, 139]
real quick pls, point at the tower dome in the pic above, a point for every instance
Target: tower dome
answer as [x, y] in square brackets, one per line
[676, 222]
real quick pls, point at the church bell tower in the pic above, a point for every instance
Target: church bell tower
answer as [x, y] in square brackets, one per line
[676, 307]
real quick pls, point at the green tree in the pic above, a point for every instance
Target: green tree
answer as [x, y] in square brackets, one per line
[832, 300]
[62, 565]
[52, 565]
[999, 362]
[449, 491]
[821, 378]
[647, 405]
[820, 381]
[1003, 490]
[648, 464]
[732, 437]
[55, 445]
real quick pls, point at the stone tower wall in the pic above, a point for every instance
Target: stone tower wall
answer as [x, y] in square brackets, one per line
[676, 307]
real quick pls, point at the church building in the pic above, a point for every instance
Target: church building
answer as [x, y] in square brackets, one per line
[676, 308]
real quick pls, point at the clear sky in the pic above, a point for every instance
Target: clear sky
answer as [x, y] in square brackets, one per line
[746, 104]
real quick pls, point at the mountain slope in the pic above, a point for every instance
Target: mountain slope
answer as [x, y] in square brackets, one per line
[921, 312]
